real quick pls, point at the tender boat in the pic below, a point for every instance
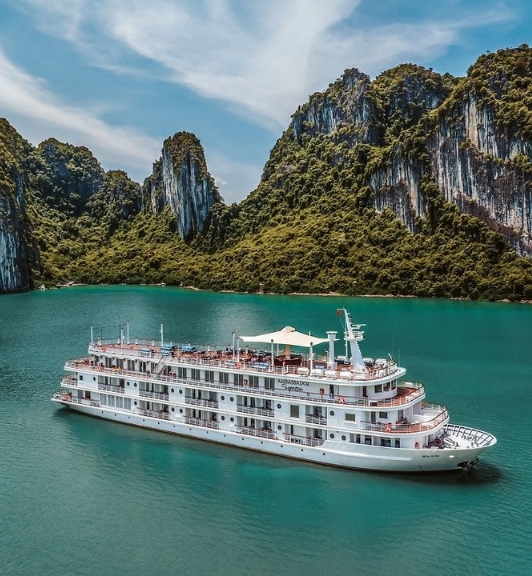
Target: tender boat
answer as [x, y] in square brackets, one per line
[272, 393]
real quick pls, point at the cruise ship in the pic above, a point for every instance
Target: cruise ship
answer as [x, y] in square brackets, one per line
[274, 393]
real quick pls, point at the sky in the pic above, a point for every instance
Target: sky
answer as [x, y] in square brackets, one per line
[120, 76]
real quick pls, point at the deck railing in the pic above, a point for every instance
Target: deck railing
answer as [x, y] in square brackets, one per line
[255, 410]
[311, 419]
[304, 440]
[248, 362]
[250, 431]
[112, 388]
[410, 427]
[201, 402]
[417, 389]
[154, 395]
[202, 422]
[160, 414]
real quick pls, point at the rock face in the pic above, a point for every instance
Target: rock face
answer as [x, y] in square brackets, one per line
[469, 137]
[15, 252]
[180, 181]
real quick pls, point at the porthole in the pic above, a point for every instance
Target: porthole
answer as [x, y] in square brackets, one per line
[172, 390]
[331, 412]
[180, 391]
[94, 378]
[278, 406]
[135, 384]
[331, 436]
[128, 383]
[279, 427]
[231, 399]
[232, 419]
[180, 410]
[343, 438]
[135, 403]
[223, 397]
[223, 417]
[173, 409]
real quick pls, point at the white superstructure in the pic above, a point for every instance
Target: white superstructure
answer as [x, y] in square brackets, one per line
[344, 411]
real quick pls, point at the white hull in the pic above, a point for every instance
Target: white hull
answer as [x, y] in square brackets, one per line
[331, 453]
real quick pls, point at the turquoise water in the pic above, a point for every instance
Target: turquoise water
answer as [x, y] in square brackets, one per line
[89, 497]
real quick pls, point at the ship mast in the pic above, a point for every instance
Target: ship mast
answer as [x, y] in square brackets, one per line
[353, 335]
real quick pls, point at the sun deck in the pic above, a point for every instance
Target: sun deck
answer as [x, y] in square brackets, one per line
[246, 360]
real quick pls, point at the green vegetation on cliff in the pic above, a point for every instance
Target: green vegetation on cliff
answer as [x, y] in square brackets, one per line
[317, 222]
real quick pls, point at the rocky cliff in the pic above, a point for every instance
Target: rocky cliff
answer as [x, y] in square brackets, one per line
[468, 136]
[180, 180]
[16, 250]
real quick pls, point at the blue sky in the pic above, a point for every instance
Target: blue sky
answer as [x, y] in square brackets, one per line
[120, 76]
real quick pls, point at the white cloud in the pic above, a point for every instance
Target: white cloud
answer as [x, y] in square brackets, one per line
[261, 58]
[38, 114]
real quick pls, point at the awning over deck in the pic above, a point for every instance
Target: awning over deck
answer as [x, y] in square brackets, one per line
[288, 336]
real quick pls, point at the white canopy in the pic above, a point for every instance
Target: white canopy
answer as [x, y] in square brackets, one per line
[288, 336]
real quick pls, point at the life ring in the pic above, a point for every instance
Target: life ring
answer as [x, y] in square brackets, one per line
[437, 441]
[341, 400]
[416, 445]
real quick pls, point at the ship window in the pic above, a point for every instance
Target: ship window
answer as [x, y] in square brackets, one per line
[383, 414]
[331, 412]
[223, 398]
[119, 402]
[238, 379]
[173, 409]
[378, 388]
[385, 442]
[209, 376]
[357, 438]
[394, 384]
[232, 419]
[172, 390]
[279, 406]
[254, 381]
[80, 377]
[223, 377]
[294, 411]
[181, 372]
[351, 417]
[195, 374]
[343, 438]
[331, 436]
[269, 383]
[127, 403]
[279, 427]
[397, 443]
[387, 386]
[232, 399]
[367, 440]
[223, 417]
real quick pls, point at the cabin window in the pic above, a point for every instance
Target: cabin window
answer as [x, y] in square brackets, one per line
[357, 438]
[80, 377]
[269, 383]
[238, 379]
[397, 443]
[254, 381]
[367, 440]
[394, 384]
[383, 414]
[350, 417]
[182, 372]
[195, 374]
[378, 388]
[127, 403]
[209, 376]
[385, 442]
[387, 386]
[119, 402]
[223, 377]
[294, 411]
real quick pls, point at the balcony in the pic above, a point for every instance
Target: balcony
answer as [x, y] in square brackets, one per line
[202, 422]
[153, 395]
[160, 414]
[69, 381]
[261, 433]
[268, 412]
[110, 388]
[311, 419]
[201, 402]
[303, 440]
[441, 415]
